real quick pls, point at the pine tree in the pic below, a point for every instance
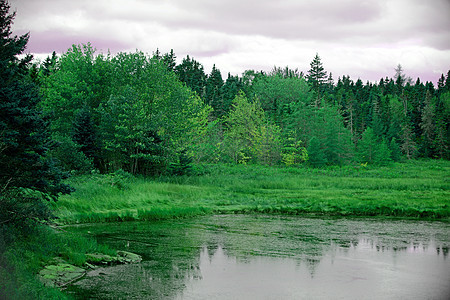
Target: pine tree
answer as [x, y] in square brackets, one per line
[317, 77]
[447, 82]
[169, 60]
[191, 73]
[396, 152]
[427, 125]
[27, 175]
[441, 82]
[84, 134]
[213, 96]
[316, 155]
[49, 65]
[408, 146]
[367, 147]
[399, 77]
[230, 90]
[383, 154]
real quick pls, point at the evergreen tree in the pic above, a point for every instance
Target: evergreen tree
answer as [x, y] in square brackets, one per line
[316, 155]
[383, 154]
[169, 60]
[84, 134]
[399, 77]
[230, 90]
[441, 82]
[213, 96]
[373, 150]
[427, 125]
[317, 76]
[447, 82]
[49, 65]
[192, 74]
[408, 146]
[396, 152]
[27, 175]
[367, 147]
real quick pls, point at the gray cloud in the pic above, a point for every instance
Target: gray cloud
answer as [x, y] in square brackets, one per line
[361, 36]
[59, 41]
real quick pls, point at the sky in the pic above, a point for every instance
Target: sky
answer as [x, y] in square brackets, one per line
[360, 38]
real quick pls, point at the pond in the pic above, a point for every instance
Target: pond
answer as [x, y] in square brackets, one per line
[272, 257]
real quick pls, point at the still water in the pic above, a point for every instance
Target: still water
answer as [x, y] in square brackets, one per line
[272, 257]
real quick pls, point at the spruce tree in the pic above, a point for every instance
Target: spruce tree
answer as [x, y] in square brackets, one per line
[192, 74]
[27, 175]
[396, 152]
[213, 96]
[317, 77]
[316, 155]
[427, 125]
[84, 134]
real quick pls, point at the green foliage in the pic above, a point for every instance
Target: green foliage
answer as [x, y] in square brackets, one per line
[192, 74]
[27, 175]
[278, 94]
[293, 151]
[84, 133]
[396, 153]
[316, 155]
[81, 80]
[213, 92]
[183, 166]
[317, 76]
[374, 150]
[409, 146]
[326, 125]
[249, 135]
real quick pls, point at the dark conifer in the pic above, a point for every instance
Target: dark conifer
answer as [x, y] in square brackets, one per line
[27, 175]
[84, 134]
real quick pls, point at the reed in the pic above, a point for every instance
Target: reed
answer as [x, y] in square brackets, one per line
[416, 189]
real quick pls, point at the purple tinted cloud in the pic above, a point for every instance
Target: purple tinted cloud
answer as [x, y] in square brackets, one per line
[59, 41]
[358, 36]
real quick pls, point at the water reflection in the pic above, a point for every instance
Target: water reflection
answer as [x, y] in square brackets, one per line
[267, 257]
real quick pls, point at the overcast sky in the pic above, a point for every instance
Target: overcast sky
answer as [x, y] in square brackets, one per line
[363, 39]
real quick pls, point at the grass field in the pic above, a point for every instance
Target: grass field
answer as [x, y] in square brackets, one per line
[415, 189]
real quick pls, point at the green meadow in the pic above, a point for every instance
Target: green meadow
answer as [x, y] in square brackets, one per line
[414, 189]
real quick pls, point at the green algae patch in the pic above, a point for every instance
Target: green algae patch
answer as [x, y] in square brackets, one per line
[60, 274]
[100, 259]
[128, 257]
[123, 257]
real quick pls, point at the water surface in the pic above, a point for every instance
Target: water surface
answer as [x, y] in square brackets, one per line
[273, 257]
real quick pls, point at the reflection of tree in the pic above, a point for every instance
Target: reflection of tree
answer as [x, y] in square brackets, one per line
[312, 264]
[172, 250]
[443, 250]
[171, 258]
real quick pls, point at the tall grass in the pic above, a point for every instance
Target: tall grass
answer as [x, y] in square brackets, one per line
[417, 189]
[24, 252]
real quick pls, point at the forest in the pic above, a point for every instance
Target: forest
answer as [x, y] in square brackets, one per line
[83, 114]
[149, 115]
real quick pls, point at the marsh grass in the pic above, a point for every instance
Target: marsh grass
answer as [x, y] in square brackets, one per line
[416, 189]
[26, 251]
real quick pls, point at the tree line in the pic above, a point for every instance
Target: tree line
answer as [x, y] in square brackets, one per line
[146, 114]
